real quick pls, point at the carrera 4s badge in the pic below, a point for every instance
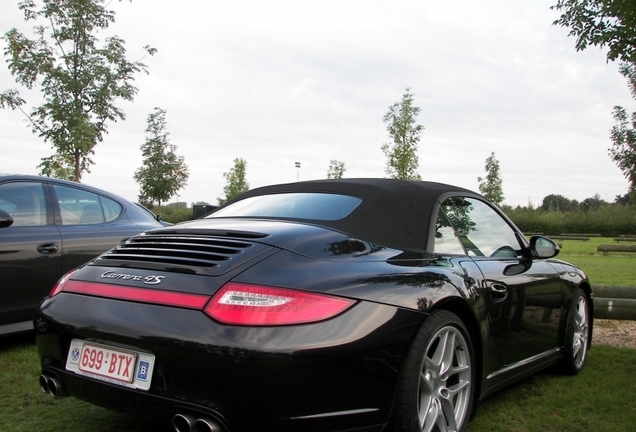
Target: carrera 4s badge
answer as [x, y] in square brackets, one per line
[150, 280]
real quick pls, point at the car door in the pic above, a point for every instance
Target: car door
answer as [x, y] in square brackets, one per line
[524, 294]
[90, 224]
[30, 253]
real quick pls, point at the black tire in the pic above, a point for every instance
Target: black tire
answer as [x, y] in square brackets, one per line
[577, 334]
[436, 386]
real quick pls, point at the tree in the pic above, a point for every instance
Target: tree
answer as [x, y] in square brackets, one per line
[560, 203]
[163, 173]
[623, 150]
[79, 80]
[602, 23]
[490, 187]
[336, 169]
[402, 160]
[236, 183]
[593, 203]
[625, 200]
[611, 24]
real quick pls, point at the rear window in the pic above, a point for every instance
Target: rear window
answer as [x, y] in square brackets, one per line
[314, 206]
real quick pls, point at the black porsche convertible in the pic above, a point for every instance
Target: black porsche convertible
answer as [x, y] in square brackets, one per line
[333, 305]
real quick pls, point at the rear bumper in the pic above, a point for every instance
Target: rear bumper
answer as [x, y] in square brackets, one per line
[329, 376]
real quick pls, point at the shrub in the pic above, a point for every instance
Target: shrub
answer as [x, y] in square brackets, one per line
[609, 221]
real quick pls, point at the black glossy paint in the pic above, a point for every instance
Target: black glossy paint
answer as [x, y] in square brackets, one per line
[334, 375]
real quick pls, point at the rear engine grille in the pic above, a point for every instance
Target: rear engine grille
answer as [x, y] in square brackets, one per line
[184, 251]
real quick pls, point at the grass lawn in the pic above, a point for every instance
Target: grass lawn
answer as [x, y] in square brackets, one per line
[613, 269]
[601, 398]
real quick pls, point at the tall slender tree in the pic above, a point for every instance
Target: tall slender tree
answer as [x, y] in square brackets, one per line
[80, 81]
[236, 181]
[401, 153]
[491, 185]
[163, 173]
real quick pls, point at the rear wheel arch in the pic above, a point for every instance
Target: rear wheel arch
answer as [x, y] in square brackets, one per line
[432, 386]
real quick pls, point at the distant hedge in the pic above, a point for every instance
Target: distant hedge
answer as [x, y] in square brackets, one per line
[609, 221]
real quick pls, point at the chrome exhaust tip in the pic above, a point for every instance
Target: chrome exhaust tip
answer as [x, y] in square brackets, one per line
[183, 423]
[205, 424]
[194, 423]
[56, 388]
[44, 383]
[52, 386]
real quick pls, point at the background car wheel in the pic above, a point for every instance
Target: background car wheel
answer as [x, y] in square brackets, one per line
[436, 388]
[577, 334]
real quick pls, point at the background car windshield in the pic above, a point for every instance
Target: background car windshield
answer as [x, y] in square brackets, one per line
[315, 206]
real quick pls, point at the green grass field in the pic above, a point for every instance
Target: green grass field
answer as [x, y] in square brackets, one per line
[614, 269]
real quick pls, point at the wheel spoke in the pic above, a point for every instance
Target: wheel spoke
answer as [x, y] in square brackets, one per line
[431, 417]
[454, 370]
[453, 390]
[448, 408]
[426, 398]
[449, 353]
[440, 354]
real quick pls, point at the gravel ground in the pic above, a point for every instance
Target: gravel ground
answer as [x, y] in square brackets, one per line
[614, 332]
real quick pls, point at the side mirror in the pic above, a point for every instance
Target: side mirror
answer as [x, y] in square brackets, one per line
[5, 219]
[543, 247]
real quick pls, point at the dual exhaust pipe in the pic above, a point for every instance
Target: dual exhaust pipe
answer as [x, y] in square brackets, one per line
[181, 422]
[52, 385]
[195, 423]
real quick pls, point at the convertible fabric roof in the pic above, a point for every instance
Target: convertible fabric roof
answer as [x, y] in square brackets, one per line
[393, 213]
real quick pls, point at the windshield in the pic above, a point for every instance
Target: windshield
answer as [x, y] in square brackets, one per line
[314, 206]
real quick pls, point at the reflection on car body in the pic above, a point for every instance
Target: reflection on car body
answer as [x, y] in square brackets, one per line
[352, 304]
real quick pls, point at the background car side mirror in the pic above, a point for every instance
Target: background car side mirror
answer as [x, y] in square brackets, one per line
[5, 219]
[543, 247]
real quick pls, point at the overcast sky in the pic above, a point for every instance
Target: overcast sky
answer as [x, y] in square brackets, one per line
[277, 82]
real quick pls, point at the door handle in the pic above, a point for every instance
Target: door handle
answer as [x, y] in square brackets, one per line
[47, 248]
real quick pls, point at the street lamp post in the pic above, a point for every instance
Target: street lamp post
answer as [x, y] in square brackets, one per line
[297, 171]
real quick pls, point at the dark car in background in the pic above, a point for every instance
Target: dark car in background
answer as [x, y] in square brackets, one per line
[335, 305]
[48, 227]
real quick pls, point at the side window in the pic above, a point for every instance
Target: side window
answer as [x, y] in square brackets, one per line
[481, 230]
[25, 202]
[112, 209]
[446, 240]
[78, 207]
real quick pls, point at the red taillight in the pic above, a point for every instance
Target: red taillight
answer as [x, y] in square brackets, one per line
[243, 304]
[59, 285]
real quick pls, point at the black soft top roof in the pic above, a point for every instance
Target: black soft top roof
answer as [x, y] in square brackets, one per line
[393, 213]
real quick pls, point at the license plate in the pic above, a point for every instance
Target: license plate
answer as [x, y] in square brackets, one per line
[107, 362]
[112, 364]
